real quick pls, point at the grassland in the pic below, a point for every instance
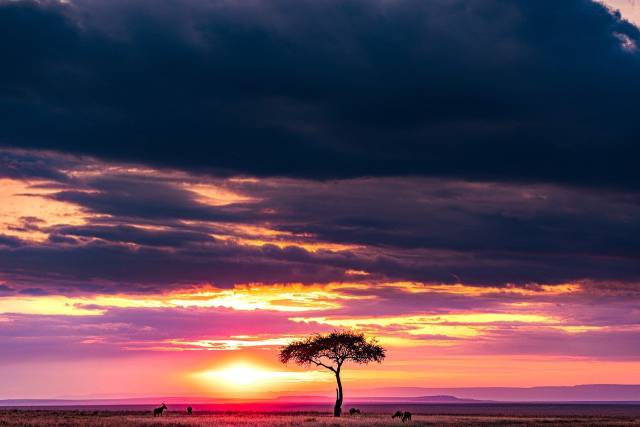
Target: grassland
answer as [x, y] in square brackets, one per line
[77, 418]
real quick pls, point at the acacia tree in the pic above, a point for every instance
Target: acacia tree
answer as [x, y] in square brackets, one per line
[330, 351]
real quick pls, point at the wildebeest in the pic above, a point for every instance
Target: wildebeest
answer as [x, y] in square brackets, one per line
[157, 412]
[189, 410]
[354, 411]
[404, 416]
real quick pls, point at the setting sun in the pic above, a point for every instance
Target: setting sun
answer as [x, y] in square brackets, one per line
[245, 375]
[241, 375]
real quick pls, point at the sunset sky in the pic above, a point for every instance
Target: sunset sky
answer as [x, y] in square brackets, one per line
[186, 186]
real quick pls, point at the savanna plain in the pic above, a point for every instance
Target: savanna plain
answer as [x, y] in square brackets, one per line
[459, 415]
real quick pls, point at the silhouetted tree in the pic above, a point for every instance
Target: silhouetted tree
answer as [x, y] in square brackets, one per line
[330, 351]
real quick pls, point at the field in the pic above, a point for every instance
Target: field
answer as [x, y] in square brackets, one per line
[374, 415]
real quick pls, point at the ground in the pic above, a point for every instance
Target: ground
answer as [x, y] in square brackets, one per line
[73, 418]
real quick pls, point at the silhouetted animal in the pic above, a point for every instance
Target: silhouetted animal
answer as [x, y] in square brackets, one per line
[189, 410]
[404, 416]
[354, 411]
[157, 412]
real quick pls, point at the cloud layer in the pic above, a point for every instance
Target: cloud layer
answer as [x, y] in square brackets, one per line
[97, 226]
[483, 89]
[116, 259]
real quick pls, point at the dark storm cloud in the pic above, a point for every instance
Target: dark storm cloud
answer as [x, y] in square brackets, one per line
[483, 89]
[153, 199]
[404, 214]
[107, 267]
[456, 216]
[148, 229]
[33, 292]
[26, 224]
[9, 241]
[22, 165]
[129, 234]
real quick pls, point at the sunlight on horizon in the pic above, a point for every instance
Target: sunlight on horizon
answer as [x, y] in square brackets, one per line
[248, 376]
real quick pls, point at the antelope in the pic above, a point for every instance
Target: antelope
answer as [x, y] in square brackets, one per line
[157, 412]
[354, 411]
[404, 416]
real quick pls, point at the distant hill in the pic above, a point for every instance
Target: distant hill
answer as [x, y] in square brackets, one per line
[413, 399]
[443, 399]
[578, 393]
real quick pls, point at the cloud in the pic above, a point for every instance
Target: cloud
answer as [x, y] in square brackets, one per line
[9, 241]
[23, 165]
[453, 320]
[598, 344]
[121, 332]
[33, 291]
[123, 226]
[522, 91]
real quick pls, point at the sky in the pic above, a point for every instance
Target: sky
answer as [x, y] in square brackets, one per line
[187, 186]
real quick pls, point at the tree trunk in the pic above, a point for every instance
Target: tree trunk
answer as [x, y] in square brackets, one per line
[337, 410]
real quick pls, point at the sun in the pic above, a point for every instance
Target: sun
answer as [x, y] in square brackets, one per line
[242, 376]
[239, 375]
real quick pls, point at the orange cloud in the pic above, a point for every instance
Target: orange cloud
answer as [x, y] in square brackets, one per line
[21, 199]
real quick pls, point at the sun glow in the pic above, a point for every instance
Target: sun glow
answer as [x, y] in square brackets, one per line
[240, 375]
[248, 376]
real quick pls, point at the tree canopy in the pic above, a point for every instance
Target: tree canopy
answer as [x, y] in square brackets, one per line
[333, 349]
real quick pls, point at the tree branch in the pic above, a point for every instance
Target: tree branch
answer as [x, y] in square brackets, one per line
[317, 363]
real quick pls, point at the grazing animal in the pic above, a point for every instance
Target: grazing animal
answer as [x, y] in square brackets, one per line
[157, 412]
[189, 410]
[404, 416]
[354, 411]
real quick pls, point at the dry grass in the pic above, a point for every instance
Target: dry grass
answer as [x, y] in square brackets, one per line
[70, 418]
